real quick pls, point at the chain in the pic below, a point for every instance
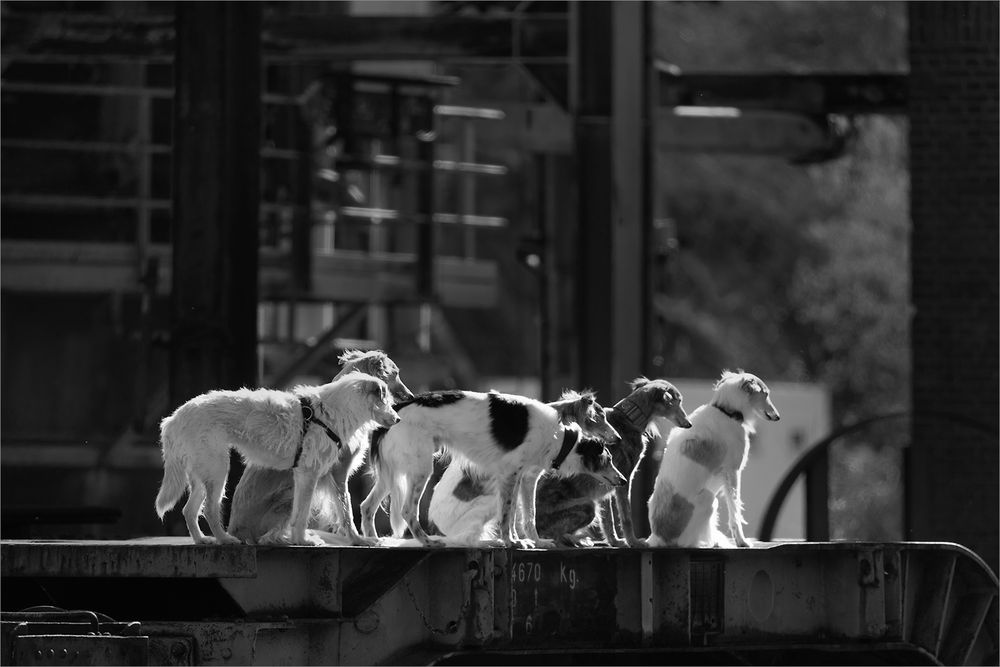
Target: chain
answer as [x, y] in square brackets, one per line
[451, 627]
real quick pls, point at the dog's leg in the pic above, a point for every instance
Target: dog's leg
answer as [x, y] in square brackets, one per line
[192, 510]
[411, 507]
[214, 490]
[507, 498]
[339, 474]
[608, 523]
[527, 490]
[734, 503]
[371, 504]
[304, 486]
[623, 518]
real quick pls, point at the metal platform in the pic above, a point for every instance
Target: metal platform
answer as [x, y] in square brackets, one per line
[777, 603]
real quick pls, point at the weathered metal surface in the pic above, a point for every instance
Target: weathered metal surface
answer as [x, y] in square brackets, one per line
[155, 557]
[916, 602]
[79, 650]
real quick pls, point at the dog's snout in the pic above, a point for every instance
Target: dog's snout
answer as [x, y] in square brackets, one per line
[402, 392]
[772, 415]
[682, 421]
[613, 435]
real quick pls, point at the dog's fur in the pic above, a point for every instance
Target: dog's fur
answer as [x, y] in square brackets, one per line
[266, 426]
[262, 501]
[511, 438]
[462, 502]
[708, 459]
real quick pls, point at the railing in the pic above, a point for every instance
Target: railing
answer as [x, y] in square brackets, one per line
[814, 465]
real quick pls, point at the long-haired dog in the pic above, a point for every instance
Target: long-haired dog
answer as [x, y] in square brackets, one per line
[463, 498]
[511, 438]
[262, 501]
[705, 460]
[308, 430]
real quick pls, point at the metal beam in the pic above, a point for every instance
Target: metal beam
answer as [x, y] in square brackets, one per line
[611, 113]
[812, 93]
[216, 198]
[536, 38]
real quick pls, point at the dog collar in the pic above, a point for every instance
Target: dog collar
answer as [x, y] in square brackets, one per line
[732, 414]
[570, 439]
[632, 411]
[309, 417]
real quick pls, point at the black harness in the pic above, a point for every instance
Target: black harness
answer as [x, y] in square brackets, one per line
[309, 417]
[569, 442]
[732, 414]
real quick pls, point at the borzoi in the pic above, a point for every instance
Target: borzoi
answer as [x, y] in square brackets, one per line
[708, 459]
[511, 438]
[310, 430]
[462, 502]
[262, 501]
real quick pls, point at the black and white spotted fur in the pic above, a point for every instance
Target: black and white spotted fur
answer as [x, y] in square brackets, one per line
[511, 438]
[706, 460]
[463, 499]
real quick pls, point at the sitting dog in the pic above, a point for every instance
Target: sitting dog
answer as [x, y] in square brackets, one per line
[511, 438]
[262, 501]
[705, 460]
[462, 502]
[308, 430]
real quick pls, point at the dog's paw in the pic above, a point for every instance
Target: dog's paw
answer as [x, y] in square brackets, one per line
[226, 539]
[202, 540]
[362, 541]
[544, 543]
[634, 543]
[310, 539]
[495, 543]
[434, 542]
[523, 543]
[276, 536]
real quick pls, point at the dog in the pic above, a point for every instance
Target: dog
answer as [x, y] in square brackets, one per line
[463, 502]
[262, 501]
[308, 430]
[705, 460]
[511, 438]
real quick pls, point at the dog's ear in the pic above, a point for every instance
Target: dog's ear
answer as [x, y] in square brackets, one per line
[349, 355]
[384, 366]
[750, 386]
[640, 381]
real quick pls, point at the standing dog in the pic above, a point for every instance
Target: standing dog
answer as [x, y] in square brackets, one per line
[309, 430]
[706, 460]
[262, 501]
[463, 502]
[511, 438]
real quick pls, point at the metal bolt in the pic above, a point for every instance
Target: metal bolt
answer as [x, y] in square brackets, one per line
[52, 653]
[64, 654]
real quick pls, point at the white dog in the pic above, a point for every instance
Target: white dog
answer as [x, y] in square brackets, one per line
[511, 438]
[263, 498]
[310, 430]
[705, 460]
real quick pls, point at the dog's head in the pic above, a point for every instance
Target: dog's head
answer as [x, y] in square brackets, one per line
[582, 408]
[660, 399]
[369, 397]
[595, 460]
[378, 364]
[745, 392]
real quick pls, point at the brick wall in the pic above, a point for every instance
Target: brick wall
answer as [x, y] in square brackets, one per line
[954, 491]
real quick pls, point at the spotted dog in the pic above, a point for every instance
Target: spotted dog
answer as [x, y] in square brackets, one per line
[309, 430]
[510, 438]
[463, 499]
[708, 459]
[262, 501]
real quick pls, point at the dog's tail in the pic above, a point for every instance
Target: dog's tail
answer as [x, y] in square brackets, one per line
[174, 478]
